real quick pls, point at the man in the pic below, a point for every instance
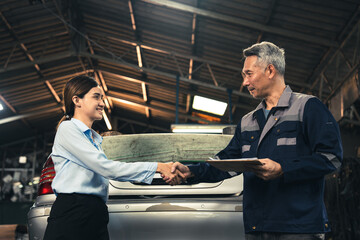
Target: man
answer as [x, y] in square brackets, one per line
[297, 140]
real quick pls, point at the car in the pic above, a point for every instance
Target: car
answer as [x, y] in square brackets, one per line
[159, 211]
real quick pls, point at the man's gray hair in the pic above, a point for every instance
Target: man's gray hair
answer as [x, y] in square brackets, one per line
[268, 53]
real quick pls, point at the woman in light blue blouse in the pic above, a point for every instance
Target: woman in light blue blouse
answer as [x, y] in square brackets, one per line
[82, 169]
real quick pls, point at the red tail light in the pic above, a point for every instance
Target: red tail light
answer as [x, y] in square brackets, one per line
[46, 178]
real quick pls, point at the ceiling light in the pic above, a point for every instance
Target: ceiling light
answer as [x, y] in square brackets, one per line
[209, 105]
[106, 119]
[22, 159]
[1, 107]
[138, 53]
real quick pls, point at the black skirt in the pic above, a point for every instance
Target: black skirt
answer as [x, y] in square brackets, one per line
[77, 216]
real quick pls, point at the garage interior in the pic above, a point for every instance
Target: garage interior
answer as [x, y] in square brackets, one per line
[151, 58]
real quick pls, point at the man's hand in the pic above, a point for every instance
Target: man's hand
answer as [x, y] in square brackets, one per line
[183, 169]
[169, 176]
[269, 170]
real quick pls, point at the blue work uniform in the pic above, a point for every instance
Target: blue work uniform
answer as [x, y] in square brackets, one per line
[303, 137]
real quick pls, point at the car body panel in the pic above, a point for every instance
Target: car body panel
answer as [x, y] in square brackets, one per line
[160, 211]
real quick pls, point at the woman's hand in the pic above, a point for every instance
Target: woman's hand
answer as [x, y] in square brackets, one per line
[171, 178]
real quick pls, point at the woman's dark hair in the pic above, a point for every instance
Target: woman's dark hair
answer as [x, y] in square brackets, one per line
[77, 86]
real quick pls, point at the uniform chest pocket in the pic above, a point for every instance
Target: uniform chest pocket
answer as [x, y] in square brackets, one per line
[249, 139]
[286, 133]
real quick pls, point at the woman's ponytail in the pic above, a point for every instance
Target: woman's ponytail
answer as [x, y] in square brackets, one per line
[77, 86]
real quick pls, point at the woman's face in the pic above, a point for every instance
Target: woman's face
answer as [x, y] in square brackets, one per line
[91, 106]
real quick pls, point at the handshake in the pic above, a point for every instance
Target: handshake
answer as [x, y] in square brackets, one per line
[173, 173]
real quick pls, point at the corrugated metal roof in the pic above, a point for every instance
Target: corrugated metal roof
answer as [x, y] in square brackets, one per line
[55, 40]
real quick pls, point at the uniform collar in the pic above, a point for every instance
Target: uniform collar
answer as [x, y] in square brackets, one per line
[284, 100]
[86, 129]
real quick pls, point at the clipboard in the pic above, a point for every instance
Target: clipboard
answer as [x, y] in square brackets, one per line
[235, 165]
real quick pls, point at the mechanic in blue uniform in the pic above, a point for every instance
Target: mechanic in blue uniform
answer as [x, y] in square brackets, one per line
[298, 141]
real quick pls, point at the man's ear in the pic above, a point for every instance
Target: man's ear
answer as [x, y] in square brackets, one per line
[76, 101]
[272, 71]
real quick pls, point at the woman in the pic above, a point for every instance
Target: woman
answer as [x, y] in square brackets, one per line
[82, 169]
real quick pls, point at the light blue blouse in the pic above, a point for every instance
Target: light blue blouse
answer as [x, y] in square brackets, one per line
[82, 167]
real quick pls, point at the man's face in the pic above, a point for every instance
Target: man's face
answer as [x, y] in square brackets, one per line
[92, 104]
[256, 77]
